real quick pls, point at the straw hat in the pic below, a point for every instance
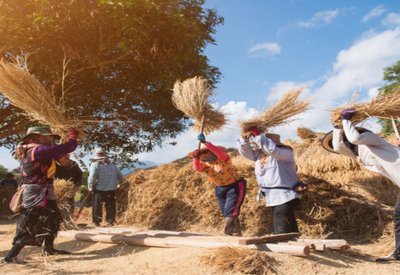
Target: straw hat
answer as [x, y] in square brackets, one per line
[99, 154]
[326, 141]
[39, 130]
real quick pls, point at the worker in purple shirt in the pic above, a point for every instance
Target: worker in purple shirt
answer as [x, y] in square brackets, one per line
[40, 218]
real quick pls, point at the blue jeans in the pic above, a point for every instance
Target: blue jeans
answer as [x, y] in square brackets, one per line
[230, 197]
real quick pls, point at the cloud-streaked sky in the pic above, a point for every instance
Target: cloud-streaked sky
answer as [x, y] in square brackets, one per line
[266, 48]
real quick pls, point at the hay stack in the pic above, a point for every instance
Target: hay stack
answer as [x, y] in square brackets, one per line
[24, 91]
[64, 191]
[242, 260]
[6, 193]
[192, 97]
[384, 106]
[342, 194]
[287, 107]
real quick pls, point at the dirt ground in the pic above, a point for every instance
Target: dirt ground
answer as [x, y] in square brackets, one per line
[100, 258]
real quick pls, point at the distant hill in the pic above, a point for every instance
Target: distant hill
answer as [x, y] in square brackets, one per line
[143, 165]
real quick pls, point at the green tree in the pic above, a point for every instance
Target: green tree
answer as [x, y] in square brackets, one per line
[3, 172]
[392, 77]
[124, 57]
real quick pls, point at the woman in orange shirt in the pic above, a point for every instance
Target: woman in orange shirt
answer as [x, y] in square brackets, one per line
[230, 187]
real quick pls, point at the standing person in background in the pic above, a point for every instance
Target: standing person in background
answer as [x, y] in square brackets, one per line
[375, 154]
[276, 175]
[40, 217]
[9, 181]
[104, 177]
[230, 187]
[69, 170]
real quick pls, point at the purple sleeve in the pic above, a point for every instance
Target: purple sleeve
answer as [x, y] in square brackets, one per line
[54, 151]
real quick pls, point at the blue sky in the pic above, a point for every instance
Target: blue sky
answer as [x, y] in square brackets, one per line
[267, 47]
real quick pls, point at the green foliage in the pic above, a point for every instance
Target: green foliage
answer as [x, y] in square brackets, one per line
[124, 57]
[3, 172]
[392, 77]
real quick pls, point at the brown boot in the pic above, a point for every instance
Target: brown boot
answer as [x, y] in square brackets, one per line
[229, 226]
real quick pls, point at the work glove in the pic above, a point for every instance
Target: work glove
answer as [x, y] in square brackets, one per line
[201, 137]
[72, 133]
[337, 126]
[348, 113]
[254, 131]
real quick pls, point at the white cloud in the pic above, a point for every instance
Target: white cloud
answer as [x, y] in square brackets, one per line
[361, 65]
[319, 18]
[187, 141]
[280, 88]
[373, 92]
[375, 12]
[393, 19]
[264, 49]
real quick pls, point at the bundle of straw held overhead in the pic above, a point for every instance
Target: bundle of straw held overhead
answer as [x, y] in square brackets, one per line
[384, 106]
[243, 260]
[24, 91]
[192, 97]
[287, 107]
[305, 133]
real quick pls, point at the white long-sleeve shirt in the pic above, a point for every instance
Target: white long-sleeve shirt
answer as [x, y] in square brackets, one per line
[374, 153]
[278, 171]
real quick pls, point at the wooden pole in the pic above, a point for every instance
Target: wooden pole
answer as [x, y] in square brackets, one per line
[143, 239]
[395, 128]
[269, 238]
[331, 243]
[203, 117]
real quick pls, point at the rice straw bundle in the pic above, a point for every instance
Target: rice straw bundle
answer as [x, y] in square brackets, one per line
[64, 190]
[305, 133]
[192, 97]
[241, 260]
[384, 106]
[287, 107]
[24, 91]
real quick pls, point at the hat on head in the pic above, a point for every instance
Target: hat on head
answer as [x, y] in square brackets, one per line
[203, 149]
[99, 154]
[40, 130]
[275, 137]
[326, 141]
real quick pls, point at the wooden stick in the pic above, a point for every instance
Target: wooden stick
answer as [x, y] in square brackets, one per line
[269, 238]
[395, 129]
[203, 117]
[331, 243]
[295, 250]
[317, 247]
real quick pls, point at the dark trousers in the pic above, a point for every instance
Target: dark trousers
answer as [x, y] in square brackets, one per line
[396, 218]
[231, 197]
[108, 197]
[284, 219]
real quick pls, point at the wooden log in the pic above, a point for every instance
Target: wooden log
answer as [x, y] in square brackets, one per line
[268, 238]
[317, 247]
[176, 241]
[295, 250]
[329, 243]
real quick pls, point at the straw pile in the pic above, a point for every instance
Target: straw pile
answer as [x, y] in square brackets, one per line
[192, 97]
[384, 106]
[342, 194]
[24, 91]
[6, 193]
[64, 191]
[287, 107]
[247, 261]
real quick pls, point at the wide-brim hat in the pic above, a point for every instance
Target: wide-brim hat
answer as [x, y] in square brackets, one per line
[39, 130]
[203, 148]
[99, 154]
[326, 141]
[276, 137]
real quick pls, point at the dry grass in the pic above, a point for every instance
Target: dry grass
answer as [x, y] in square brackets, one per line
[287, 107]
[305, 133]
[384, 106]
[65, 192]
[342, 194]
[192, 97]
[241, 260]
[24, 91]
